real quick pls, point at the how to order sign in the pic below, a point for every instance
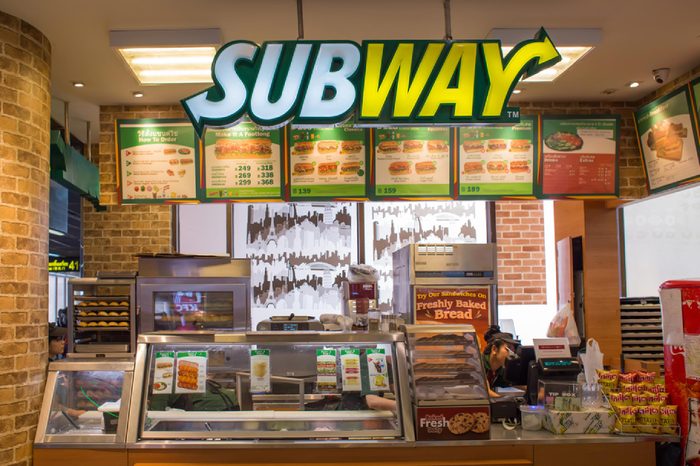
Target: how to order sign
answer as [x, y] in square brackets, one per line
[321, 83]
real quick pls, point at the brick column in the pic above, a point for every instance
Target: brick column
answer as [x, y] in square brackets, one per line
[25, 107]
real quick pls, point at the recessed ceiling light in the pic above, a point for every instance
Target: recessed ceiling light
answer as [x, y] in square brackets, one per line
[168, 56]
[78, 84]
[138, 94]
[633, 84]
[572, 44]
[517, 91]
[569, 56]
[609, 91]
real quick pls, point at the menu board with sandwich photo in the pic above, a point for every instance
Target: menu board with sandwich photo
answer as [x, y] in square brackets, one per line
[156, 160]
[412, 162]
[328, 163]
[497, 161]
[243, 162]
[667, 140]
[579, 156]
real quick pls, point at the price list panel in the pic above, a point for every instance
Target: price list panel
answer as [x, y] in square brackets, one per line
[243, 162]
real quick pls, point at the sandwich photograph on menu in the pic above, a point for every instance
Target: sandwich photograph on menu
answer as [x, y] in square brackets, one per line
[412, 162]
[668, 141]
[328, 163]
[242, 162]
[497, 161]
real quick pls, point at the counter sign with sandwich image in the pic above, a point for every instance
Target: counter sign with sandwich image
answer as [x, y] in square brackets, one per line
[496, 161]
[328, 163]
[243, 162]
[412, 162]
[381, 82]
[668, 141]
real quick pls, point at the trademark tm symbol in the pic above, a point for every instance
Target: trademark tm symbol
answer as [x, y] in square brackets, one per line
[513, 114]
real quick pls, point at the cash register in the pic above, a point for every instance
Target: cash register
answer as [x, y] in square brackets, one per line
[554, 371]
[290, 323]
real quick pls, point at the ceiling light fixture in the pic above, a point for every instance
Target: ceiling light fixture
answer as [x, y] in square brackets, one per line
[517, 91]
[138, 94]
[633, 84]
[572, 44]
[168, 56]
[78, 84]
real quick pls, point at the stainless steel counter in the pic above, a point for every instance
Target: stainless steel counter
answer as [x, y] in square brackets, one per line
[499, 436]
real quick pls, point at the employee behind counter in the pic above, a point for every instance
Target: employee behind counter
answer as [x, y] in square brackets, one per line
[499, 349]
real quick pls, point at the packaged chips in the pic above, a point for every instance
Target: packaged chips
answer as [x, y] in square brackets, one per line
[649, 419]
[668, 419]
[627, 419]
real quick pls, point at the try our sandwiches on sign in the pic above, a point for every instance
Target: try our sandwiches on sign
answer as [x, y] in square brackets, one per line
[381, 82]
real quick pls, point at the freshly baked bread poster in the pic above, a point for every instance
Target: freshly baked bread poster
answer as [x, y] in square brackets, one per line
[667, 140]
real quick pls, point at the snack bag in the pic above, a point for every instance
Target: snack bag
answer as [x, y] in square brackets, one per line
[668, 418]
[646, 377]
[649, 419]
[639, 399]
[608, 380]
[657, 388]
[627, 419]
[630, 377]
[631, 388]
[657, 399]
[619, 399]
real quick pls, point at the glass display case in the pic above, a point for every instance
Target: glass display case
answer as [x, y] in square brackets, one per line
[84, 401]
[447, 380]
[278, 385]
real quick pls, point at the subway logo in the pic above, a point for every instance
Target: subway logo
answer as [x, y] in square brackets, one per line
[320, 83]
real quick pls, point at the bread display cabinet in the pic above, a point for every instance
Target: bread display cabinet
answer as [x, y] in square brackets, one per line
[448, 384]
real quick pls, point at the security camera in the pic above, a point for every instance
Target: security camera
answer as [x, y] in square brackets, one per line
[661, 75]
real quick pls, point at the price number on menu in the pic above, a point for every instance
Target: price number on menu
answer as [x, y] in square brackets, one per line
[266, 175]
[243, 182]
[470, 189]
[267, 182]
[301, 191]
[243, 168]
[388, 190]
[243, 175]
[265, 167]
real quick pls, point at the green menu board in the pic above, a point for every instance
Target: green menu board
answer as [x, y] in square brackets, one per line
[156, 160]
[579, 156]
[243, 162]
[695, 86]
[328, 163]
[497, 161]
[412, 162]
[667, 140]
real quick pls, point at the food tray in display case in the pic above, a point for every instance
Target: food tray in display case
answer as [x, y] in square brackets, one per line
[446, 367]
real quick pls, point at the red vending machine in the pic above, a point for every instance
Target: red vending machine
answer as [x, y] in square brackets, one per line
[680, 309]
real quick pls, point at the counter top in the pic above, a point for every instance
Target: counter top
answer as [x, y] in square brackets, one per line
[499, 436]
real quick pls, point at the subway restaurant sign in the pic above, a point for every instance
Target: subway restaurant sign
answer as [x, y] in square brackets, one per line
[319, 83]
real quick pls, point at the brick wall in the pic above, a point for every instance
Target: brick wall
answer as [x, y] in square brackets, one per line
[112, 237]
[520, 245]
[25, 57]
